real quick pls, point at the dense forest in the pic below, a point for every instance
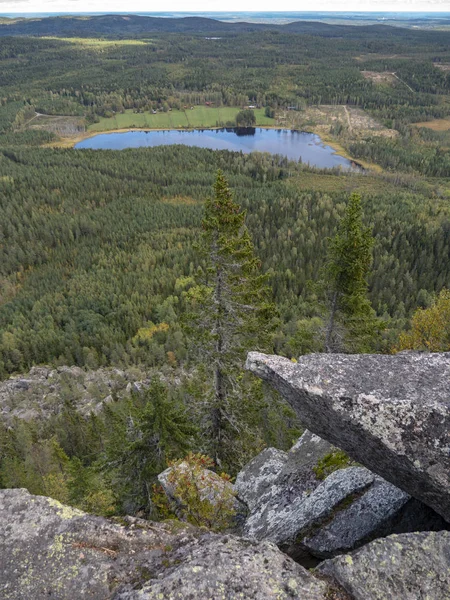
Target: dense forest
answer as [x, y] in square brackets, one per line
[80, 75]
[98, 246]
[100, 260]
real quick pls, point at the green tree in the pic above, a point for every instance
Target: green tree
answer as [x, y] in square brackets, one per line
[154, 430]
[246, 118]
[231, 313]
[352, 325]
[430, 327]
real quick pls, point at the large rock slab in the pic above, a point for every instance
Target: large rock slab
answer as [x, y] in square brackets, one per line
[390, 413]
[311, 516]
[285, 525]
[48, 550]
[277, 478]
[410, 566]
[232, 569]
[382, 509]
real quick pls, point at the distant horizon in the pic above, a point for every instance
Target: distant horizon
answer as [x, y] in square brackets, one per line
[237, 12]
[361, 8]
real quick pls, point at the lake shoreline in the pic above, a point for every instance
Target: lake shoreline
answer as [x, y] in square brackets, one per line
[307, 146]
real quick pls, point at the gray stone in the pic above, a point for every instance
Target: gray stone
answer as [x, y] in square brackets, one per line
[258, 475]
[410, 566]
[214, 569]
[290, 521]
[277, 506]
[295, 480]
[383, 509]
[72, 371]
[306, 453]
[48, 550]
[390, 413]
[211, 486]
[40, 372]
[41, 392]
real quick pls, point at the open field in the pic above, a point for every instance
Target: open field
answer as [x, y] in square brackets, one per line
[442, 66]
[320, 118]
[63, 126]
[199, 116]
[383, 78]
[436, 124]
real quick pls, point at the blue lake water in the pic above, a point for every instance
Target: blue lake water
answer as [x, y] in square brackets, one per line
[296, 145]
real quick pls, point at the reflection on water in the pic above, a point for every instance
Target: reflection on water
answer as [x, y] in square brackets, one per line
[296, 145]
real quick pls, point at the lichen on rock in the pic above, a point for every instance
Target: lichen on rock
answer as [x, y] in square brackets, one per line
[389, 413]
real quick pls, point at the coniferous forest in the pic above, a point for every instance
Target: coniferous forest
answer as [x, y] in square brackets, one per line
[106, 261]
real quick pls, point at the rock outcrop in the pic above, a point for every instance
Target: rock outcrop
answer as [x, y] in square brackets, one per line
[307, 513]
[218, 492]
[43, 390]
[257, 477]
[411, 566]
[48, 550]
[390, 413]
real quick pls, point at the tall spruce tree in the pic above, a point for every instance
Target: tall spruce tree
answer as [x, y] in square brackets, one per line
[352, 325]
[231, 313]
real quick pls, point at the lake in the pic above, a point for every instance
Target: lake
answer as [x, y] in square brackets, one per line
[296, 145]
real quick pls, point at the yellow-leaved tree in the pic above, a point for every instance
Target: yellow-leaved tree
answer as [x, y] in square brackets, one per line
[430, 327]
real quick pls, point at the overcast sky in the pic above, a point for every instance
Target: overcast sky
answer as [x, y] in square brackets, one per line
[72, 6]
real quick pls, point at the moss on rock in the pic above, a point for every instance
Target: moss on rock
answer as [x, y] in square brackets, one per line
[332, 462]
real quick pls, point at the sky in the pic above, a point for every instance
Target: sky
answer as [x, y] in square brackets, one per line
[108, 6]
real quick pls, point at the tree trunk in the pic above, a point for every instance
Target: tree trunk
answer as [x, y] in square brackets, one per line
[219, 380]
[330, 325]
[217, 424]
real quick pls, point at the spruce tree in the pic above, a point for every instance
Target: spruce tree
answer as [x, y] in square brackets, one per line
[351, 325]
[143, 437]
[232, 313]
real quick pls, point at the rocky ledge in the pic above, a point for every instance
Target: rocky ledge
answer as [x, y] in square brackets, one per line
[314, 503]
[48, 550]
[390, 413]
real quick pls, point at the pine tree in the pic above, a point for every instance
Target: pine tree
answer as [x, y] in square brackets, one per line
[352, 325]
[232, 313]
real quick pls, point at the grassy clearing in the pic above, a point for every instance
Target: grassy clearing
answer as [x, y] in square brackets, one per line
[62, 126]
[351, 182]
[98, 43]
[436, 125]
[199, 116]
[383, 78]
